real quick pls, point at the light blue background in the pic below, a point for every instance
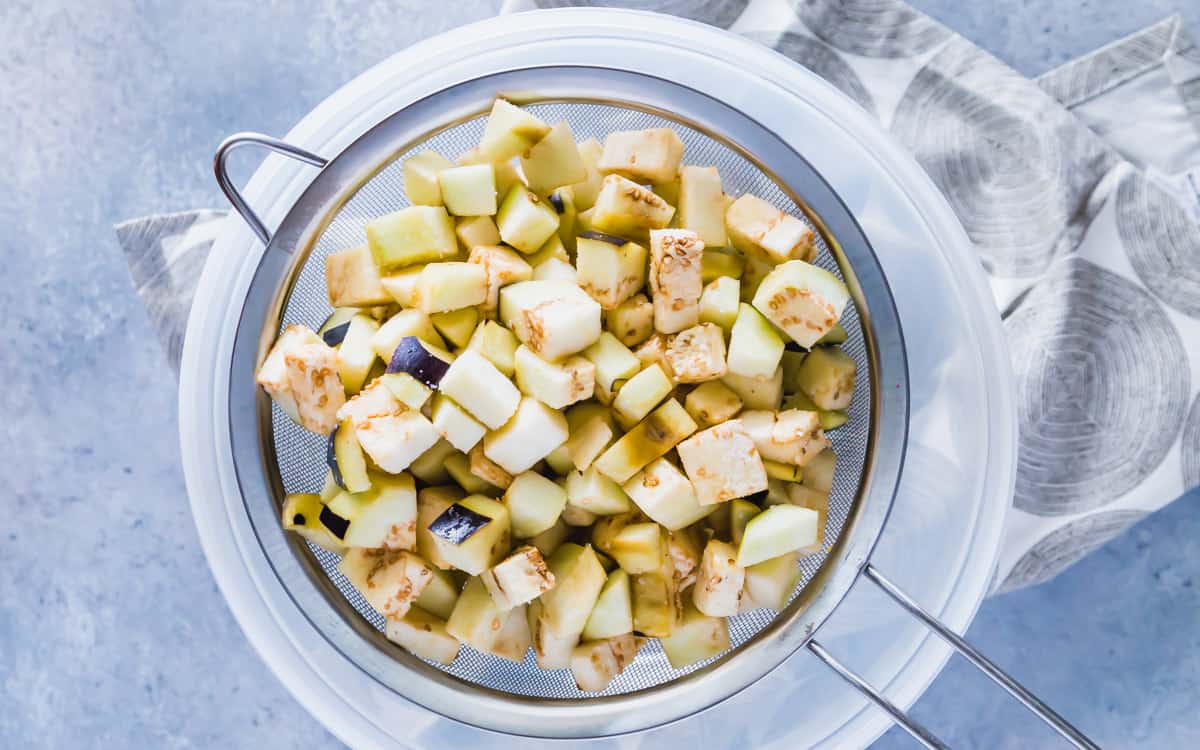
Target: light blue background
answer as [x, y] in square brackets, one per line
[112, 631]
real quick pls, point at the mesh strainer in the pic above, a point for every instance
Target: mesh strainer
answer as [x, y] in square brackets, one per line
[273, 456]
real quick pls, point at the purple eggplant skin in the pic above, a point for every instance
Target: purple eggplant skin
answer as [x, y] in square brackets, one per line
[335, 523]
[331, 459]
[412, 357]
[557, 201]
[336, 335]
[458, 523]
[611, 239]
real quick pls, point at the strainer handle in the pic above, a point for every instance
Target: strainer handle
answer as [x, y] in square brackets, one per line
[981, 662]
[238, 140]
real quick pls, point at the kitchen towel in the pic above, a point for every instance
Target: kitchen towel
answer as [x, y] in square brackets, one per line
[1081, 193]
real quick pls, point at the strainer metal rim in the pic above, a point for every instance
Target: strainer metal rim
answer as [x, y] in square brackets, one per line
[585, 717]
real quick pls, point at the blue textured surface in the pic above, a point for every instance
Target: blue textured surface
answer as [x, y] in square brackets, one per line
[112, 632]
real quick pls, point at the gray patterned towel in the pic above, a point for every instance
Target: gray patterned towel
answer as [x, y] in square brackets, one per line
[1081, 193]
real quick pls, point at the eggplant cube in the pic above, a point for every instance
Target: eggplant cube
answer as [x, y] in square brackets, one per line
[352, 279]
[315, 383]
[757, 393]
[553, 318]
[807, 497]
[595, 664]
[697, 354]
[613, 613]
[401, 285]
[476, 385]
[456, 326]
[510, 131]
[664, 494]
[702, 204]
[450, 286]
[675, 282]
[777, 531]
[642, 393]
[639, 548]
[355, 355]
[423, 635]
[592, 491]
[469, 190]
[553, 161]
[718, 590]
[409, 391]
[553, 651]
[501, 266]
[723, 464]
[534, 504]
[645, 155]
[417, 234]
[454, 423]
[610, 273]
[804, 301]
[486, 469]
[302, 513]
[556, 385]
[474, 231]
[584, 192]
[432, 502]
[440, 595]
[719, 302]
[683, 552]
[497, 345]
[394, 441]
[528, 437]
[632, 321]
[655, 606]
[755, 349]
[652, 437]
[421, 178]
[526, 221]
[712, 403]
[613, 360]
[376, 400]
[518, 579]
[625, 208]
[476, 620]
[273, 375]
[695, 638]
[552, 538]
[486, 524]
[790, 437]
[579, 577]
[430, 467]
[758, 228]
[384, 516]
[819, 471]
[399, 327]
[653, 351]
[722, 262]
[514, 639]
[588, 441]
[390, 581]
[827, 376]
[770, 583]
[555, 269]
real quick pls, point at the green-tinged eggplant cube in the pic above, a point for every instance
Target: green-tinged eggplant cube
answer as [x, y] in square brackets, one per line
[473, 231]
[476, 620]
[584, 192]
[355, 355]
[641, 394]
[528, 437]
[697, 354]
[407, 389]
[807, 497]
[702, 204]
[563, 201]
[303, 514]
[827, 376]
[502, 266]
[740, 513]
[655, 606]
[790, 436]
[588, 441]
[695, 638]
[573, 515]
[526, 221]
[777, 531]
[455, 424]
[431, 503]
[451, 286]
[352, 279]
[639, 548]
[723, 464]
[609, 272]
[456, 326]
[402, 325]
[625, 208]
[579, 578]
[477, 386]
[421, 178]
[469, 190]
[712, 403]
[632, 321]
[592, 491]
[559, 460]
[675, 284]
[473, 534]
[758, 228]
[613, 613]
[558, 385]
[718, 262]
[652, 437]
[430, 466]
[424, 635]
[804, 301]
[389, 580]
[401, 285]
[439, 596]
[496, 344]
[718, 589]
[769, 584]
[458, 466]
[518, 579]
[819, 472]
[553, 318]
[417, 234]
[754, 273]
[651, 155]
[552, 538]
[595, 664]
[614, 363]
[755, 349]
[653, 351]
[663, 493]
[505, 170]
[510, 131]
[719, 302]
[382, 516]
[534, 504]
[668, 191]
[757, 393]
[554, 161]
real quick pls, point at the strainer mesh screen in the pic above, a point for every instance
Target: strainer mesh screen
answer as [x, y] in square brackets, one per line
[301, 454]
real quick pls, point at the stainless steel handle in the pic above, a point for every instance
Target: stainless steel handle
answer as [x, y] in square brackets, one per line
[981, 662]
[238, 140]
